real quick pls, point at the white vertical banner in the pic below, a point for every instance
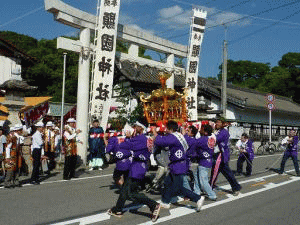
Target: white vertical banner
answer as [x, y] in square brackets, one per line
[105, 51]
[191, 82]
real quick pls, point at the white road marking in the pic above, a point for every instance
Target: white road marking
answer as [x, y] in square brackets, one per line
[87, 220]
[182, 211]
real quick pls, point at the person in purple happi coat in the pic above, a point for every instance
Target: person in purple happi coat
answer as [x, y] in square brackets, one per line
[138, 168]
[178, 166]
[246, 149]
[221, 158]
[122, 154]
[291, 142]
[204, 148]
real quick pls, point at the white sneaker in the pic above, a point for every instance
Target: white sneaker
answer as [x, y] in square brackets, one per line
[90, 169]
[200, 203]
[165, 205]
[100, 168]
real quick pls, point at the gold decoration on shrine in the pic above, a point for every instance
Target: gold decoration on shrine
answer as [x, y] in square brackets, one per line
[164, 104]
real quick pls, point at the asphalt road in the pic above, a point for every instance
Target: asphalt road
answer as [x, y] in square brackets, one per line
[266, 198]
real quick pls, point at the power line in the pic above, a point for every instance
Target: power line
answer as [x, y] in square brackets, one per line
[20, 17]
[244, 17]
[262, 29]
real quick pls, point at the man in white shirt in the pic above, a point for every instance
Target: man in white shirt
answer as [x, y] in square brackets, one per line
[37, 151]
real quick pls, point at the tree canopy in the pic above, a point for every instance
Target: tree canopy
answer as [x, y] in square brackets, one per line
[283, 80]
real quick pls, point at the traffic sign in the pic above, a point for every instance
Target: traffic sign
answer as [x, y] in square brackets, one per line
[270, 98]
[271, 106]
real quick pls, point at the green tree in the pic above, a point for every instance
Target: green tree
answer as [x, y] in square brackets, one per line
[291, 62]
[278, 81]
[245, 73]
[22, 42]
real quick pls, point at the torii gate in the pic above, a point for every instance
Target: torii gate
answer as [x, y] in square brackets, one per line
[86, 22]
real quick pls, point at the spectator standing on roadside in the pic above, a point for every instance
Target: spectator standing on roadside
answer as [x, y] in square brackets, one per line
[96, 147]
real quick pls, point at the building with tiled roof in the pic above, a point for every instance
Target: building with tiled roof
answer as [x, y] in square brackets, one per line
[245, 107]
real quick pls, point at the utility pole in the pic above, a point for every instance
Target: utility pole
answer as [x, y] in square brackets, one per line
[62, 106]
[224, 78]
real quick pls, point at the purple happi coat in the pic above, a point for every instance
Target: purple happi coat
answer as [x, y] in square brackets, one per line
[222, 141]
[140, 155]
[177, 154]
[205, 148]
[249, 149]
[292, 149]
[121, 152]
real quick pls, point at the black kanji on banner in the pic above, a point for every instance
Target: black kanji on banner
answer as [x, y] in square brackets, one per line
[103, 92]
[110, 2]
[114, 2]
[197, 37]
[109, 20]
[106, 2]
[196, 50]
[104, 66]
[190, 103]
[107, 42]
[191, 83]
[193, 67]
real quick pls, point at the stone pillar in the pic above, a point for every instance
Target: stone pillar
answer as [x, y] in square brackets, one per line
[14, 108]
[83, 94]
[170, 65]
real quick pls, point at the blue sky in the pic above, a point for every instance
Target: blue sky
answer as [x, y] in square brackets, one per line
[263, 37]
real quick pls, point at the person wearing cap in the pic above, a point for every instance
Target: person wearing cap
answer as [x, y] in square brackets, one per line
[178, 166]
[96, 147]
[71, 139]
[221, 158]
[49, 140]
[37, 151]
[13, 157]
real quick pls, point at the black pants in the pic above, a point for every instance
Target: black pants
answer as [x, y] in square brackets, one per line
[239, 166]
[119, 173]
[70, 165]
[295, 161]
[227, 173]
[130, 191]
[51, 157]
[36, 155]
[173, 186]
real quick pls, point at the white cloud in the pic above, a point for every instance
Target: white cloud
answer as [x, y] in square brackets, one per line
[137, 27]
[177, 18]
[125, 19]
[226, 18]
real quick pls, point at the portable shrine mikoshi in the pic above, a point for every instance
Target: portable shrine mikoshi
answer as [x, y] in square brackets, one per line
[164, 104]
